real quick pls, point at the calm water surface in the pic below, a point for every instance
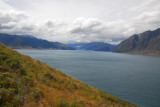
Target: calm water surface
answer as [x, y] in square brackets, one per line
[135, 78]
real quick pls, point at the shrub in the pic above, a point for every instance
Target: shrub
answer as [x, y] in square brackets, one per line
[4, 68]
[22, 71]
[37, 94]
[5, 83]
[50, 76]
[14, 62]
[67, 103]
[6, 95]
[3, 55]
[62, 103]
[75, 87]
[18, 100]
[27, 81]
[75, 104]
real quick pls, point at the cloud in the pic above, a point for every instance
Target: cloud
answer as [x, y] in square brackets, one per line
[146, 5]
[85, 26]
[145, 17]
[14, 22]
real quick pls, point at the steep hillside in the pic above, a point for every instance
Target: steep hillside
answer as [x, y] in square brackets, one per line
[95, 46]
[29, 42]
[145, 43]
[28, 82]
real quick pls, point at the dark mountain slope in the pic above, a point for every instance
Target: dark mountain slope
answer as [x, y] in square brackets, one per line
[145, 43]
[15, 41]
[30, 83]
[95, 46]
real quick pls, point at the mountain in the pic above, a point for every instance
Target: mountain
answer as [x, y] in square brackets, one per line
[31, 83]
[30, 42]
[95, 46]
[145, 43]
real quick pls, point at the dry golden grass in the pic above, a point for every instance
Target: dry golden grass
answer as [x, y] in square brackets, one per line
[52, 88]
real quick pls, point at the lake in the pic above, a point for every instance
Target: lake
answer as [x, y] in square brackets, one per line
[135, 78]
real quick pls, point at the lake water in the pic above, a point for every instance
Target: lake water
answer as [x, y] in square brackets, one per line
[135, 78]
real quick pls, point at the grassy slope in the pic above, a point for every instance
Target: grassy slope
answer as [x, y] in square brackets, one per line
[28, 82]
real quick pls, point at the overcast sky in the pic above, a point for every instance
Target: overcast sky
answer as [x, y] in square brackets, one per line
[79, 20]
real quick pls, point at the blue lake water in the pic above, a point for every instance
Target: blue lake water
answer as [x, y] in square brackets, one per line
[135, 78]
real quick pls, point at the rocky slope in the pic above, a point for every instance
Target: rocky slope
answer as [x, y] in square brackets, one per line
[145, 43]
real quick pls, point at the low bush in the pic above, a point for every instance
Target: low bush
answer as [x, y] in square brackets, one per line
[50, 76]
[22, 71]
[68, 103]
[14, 62]
[62, 103]
[3, 55]
[37, 94]
[27, 81]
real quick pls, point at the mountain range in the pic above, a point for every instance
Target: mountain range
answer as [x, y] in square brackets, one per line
[95, 46]
[147, 42]
[30, 42]
[144, 43]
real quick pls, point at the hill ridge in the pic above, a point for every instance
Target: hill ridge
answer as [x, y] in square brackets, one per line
[30, 42]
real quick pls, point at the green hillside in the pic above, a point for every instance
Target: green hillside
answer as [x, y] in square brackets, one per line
[30, 83]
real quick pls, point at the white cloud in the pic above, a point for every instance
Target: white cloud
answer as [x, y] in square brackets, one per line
[143, 17]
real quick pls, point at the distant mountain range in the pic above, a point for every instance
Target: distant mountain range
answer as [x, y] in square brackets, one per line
[30, 42]
[145, 43]
[95, 46]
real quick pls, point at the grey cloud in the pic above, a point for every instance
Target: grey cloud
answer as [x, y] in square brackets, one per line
[9, 25]
[49, 23]
[85, 26]
[11, 16]
[146, 21]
